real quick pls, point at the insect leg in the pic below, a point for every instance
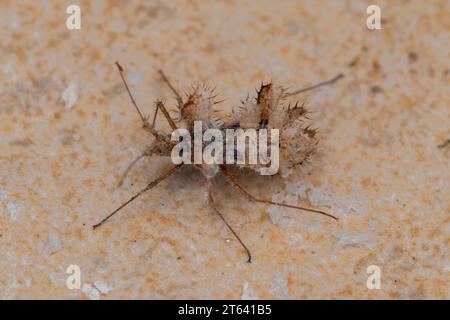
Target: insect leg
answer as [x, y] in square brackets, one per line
[331, 81]
[232, 181]
[154, 117]
[160, 105]
[151, 185]
[213, 206]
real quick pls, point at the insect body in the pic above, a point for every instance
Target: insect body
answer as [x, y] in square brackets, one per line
[267, 111]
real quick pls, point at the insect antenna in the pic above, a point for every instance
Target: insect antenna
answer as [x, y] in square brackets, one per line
[213, 206]
[331, 81]
[129, 93]
[149, 186]
[175, 92]
[235, 184]
[133, 101]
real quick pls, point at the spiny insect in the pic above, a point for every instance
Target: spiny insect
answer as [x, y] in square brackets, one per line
[267, 110]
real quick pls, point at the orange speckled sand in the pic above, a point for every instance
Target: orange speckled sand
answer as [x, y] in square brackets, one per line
[68, 131]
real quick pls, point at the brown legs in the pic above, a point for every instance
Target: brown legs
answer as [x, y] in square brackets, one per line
[232, 181]
[331, 81]
[159, 105]
[150, 186]
[213, 206]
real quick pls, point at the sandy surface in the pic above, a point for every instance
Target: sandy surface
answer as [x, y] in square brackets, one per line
[379, 167]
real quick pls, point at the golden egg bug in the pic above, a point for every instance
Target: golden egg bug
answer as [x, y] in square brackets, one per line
[267, 111]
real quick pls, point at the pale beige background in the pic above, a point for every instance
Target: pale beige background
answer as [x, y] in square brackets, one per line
[379, 168]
